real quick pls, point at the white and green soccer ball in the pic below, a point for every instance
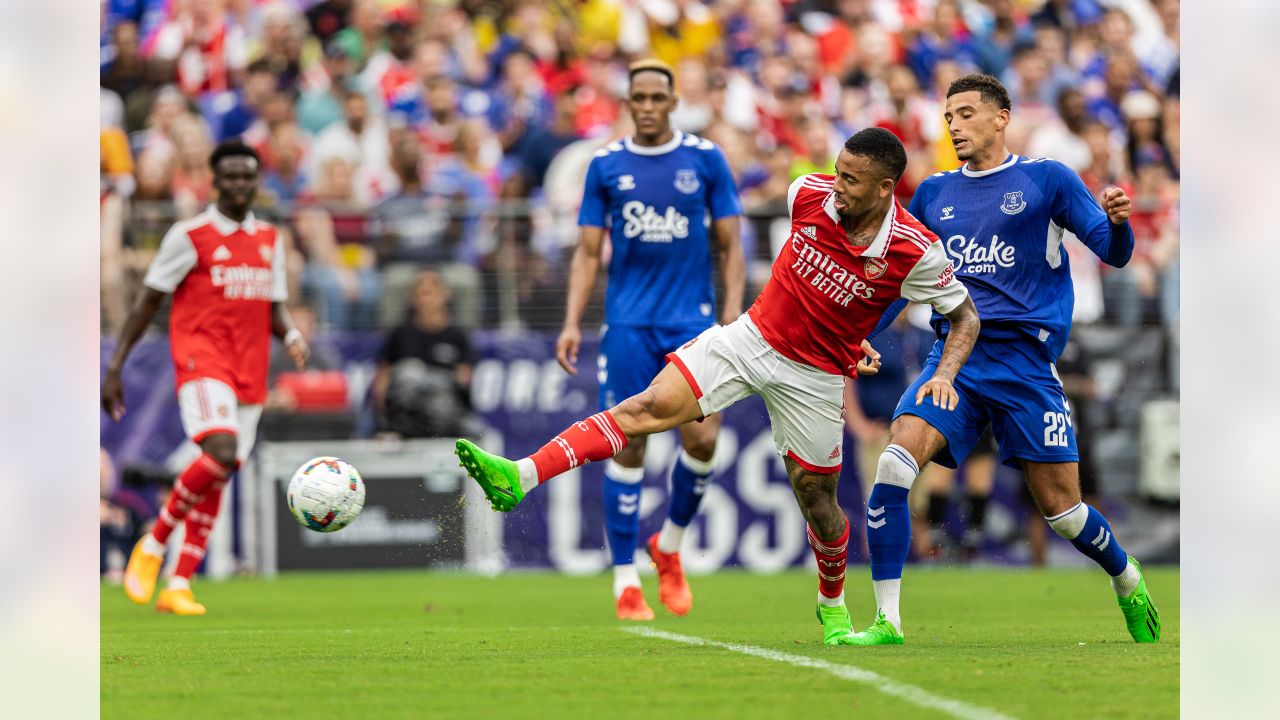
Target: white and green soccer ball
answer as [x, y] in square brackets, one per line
[326, 494]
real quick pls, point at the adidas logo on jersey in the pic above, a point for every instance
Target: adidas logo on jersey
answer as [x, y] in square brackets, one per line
[810, 232]
[834, 453]
[222, 253]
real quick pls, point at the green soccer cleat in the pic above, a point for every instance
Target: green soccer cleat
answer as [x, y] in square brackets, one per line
[836, 623]
[496, 475]
[881, 632]
[1140, 613]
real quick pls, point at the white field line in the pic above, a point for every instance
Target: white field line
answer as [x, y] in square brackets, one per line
[910, 693]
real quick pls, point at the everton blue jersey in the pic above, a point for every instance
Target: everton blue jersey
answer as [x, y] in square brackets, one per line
[1003, 229]
[657, 203]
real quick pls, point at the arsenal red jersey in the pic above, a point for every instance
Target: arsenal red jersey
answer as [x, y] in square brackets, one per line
[825, 295]
[224, 276]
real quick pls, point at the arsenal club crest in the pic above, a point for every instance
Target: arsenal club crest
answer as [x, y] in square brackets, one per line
[266, 252]
[874, 267]
[687, 181]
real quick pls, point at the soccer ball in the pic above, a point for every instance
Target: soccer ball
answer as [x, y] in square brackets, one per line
[326, 494]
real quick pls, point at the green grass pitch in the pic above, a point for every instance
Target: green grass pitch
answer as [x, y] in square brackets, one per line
[1015, 643]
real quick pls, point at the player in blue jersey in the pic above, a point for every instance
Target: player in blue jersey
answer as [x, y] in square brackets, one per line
[657, 193]
[1001, 218]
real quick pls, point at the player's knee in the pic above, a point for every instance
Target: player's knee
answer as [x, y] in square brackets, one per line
[701, 447]
[221, 447]
[897, 467]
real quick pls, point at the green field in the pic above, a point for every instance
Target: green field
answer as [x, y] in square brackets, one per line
[1024, 643]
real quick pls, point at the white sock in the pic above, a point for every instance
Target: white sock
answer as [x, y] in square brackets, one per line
[152, 546]
[670, 537]
[836, 601]
[179, 583]
[1127, 581]
[625, 576]
[528, 474]
[887, 592]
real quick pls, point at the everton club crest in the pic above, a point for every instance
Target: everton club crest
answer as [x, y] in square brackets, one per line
[687, 181]
[1013, 203]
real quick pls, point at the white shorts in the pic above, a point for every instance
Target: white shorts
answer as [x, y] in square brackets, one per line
[209, 406]
[806, 405]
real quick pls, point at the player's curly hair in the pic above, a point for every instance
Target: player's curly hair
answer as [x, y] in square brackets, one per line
[991, 90]
[882, 147]
[232, 148]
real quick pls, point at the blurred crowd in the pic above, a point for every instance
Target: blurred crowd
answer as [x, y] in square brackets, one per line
[453, 135]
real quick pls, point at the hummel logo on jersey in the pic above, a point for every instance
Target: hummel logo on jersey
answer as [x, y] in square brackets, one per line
[222, 253]
[810, 232]
[946, 213]
[1013, 203]
[626, 182]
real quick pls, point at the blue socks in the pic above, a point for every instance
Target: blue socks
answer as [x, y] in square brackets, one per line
[1085, 527]
[888, 519]
[888, 530]
[622, 511]
[689, 478]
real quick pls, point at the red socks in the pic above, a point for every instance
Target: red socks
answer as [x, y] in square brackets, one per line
[596, 438]
[199, 524]
[191, 487]
[831, 558]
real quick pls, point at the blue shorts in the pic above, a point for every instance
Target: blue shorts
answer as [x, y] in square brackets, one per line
[631, 357]
[1012, 385]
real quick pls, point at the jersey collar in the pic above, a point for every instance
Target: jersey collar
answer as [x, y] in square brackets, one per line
[662, 149]
[981, 173]
[880, 245]
[226, 226]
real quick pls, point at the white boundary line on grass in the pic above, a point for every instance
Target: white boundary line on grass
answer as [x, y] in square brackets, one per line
[903, 691]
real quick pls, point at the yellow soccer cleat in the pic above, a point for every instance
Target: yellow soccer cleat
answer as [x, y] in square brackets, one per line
[141, 573]
[178, 602]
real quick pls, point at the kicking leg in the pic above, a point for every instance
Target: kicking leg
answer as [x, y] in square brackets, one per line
[666, 403]
[1056, 490]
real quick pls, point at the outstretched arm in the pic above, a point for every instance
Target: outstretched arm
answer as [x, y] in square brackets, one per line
[144, 310]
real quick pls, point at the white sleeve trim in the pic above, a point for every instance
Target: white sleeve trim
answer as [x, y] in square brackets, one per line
[793, 191]
[933, 281]
[279, 271]
[174, 259]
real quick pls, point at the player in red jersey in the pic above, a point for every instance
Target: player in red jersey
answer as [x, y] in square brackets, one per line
[226, 271]
[853, 250]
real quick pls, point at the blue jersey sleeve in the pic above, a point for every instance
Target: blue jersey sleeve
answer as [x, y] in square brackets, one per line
[1077, 210]
[919, 201]
[595, 198]
[722, 192]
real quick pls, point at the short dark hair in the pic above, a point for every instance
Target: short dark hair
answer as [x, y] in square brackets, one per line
[882, 147]
[232, 148]
[654, 65]
[987, 86]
